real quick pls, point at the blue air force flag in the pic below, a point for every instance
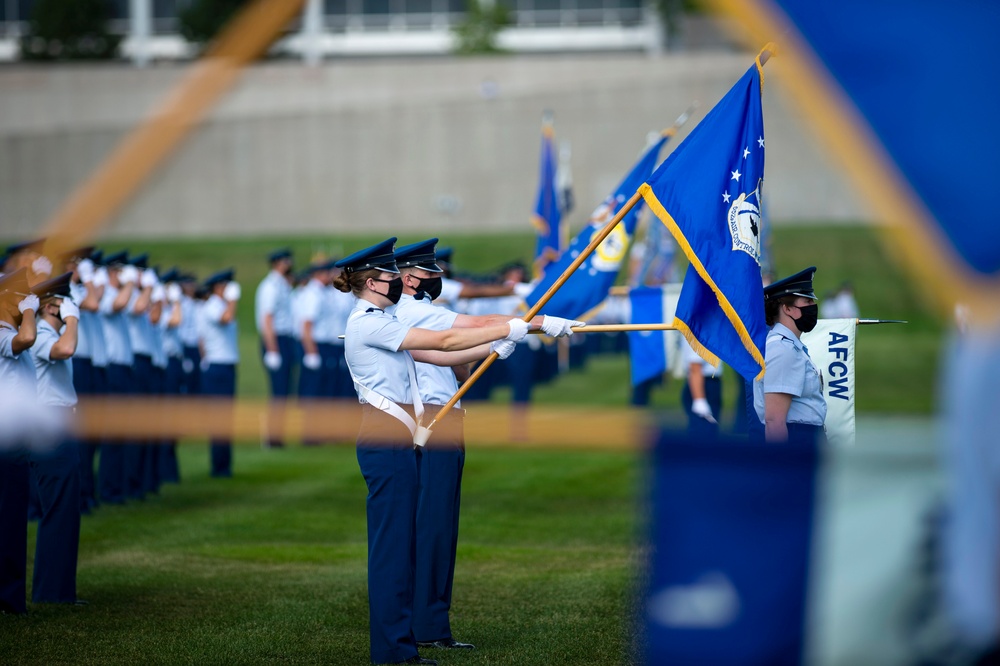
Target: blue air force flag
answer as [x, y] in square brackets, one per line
[589, 285]
[708, 194]
[547, 218]
[651, 353]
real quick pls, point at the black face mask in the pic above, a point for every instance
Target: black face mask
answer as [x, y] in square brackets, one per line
[808, 318]
[431, 286]
[395, 289]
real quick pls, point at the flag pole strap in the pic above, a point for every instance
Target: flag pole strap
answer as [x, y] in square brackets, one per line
[864, 322]
[615, 328]
[488, 361]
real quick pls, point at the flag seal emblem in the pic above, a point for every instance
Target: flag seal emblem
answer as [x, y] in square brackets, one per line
[744, 224]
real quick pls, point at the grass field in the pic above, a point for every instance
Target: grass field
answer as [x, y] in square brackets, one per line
[269, 567]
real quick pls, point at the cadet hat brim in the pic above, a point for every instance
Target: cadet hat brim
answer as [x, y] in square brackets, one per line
[222, 276]
[800, 284]
[116, 259]
[57, 286]
[379, 256]
[139, 261]
[419, 255]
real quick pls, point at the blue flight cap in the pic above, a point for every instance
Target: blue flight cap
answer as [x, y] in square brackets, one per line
[444, 254]
[57, 286]
[173, 275]
[78, 253]
[187, 277]
[800, 284]
[377, 256]
[140, 260]
[283, 253]
[97, 256]
[33, 245]
[14, 286]
[222, 276]
[418, 255]
[116, 259]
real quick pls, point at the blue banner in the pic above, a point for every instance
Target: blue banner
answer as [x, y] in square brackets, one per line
[731, 541]
[589, 284]
[708, 194]
[547, 218]
[650, 352]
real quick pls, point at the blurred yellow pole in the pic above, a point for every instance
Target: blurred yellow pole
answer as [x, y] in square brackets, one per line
[100, 197]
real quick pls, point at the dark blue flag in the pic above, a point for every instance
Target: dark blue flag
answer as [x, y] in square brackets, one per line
[650, 352]
[708, 194]
[908, 98]
[589, 285]
[731, 540]
[547, 218]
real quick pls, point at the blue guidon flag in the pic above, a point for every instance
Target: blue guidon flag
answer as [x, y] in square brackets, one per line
[547, 218]
[589, 285]
[708, 194]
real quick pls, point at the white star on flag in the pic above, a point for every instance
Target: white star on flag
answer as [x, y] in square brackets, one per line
[746, 153]
[736, 175]
[760, 142]
[725, 197]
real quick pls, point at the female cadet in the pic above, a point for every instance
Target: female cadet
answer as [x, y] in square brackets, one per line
[380, 351]
[789, 399]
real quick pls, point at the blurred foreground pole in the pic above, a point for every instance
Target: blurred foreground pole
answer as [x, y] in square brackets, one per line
[732, 528]
[312, 32]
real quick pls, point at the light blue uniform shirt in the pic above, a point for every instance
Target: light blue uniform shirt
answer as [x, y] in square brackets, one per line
[791, 371]
[689, 356]
[341, 305]
[90, 332]
[54, 376]
[273, 298]
[311, 305]
[188, 330]
[173, 347]
[17, 371]
[138, 327]
[220, 340]
[116, 336]
[437, 384]
[371, 346]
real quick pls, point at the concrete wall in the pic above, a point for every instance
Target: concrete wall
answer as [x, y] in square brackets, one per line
[404, 146]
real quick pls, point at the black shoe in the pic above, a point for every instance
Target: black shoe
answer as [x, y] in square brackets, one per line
[419, 660]
[447, 643]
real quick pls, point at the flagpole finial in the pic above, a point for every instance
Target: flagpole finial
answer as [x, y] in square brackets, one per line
[769, 50]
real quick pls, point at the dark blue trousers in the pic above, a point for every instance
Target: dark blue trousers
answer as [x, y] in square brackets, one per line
[343, 384]
[172, 382]
[136, 452]
[281, 379]
[332, 355]
[219, 379]
[440, 466]
[56, 476]
[713, 394]
[151, 450]
[111, 465]
[14, 480]
[520, 368]
[390, 471]
[191, 365]
[86, 382]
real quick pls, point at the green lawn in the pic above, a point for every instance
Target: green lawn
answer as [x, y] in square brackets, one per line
[269, 567]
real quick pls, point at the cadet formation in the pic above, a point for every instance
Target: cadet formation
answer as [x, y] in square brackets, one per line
[387, 326]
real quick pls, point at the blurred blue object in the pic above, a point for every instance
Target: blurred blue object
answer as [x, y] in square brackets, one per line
[732, 528]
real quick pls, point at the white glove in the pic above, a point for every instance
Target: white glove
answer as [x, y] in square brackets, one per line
[85, 269]
[174, 292]
[68, 309]
[518, 329]
[100, 276]
[30, 302]
[558, 327]
[159, 294]
[42, 266]
[128, 274]
[523, 289]
[148, 278]
[232, 292]
[503, 348]
[272, 360]
[701, 407]
[312, 361]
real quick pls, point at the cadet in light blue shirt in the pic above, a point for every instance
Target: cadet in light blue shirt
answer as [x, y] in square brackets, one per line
[789, 399]
[380, 351]
[273, 315]
[56, 473]
[219, 335]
